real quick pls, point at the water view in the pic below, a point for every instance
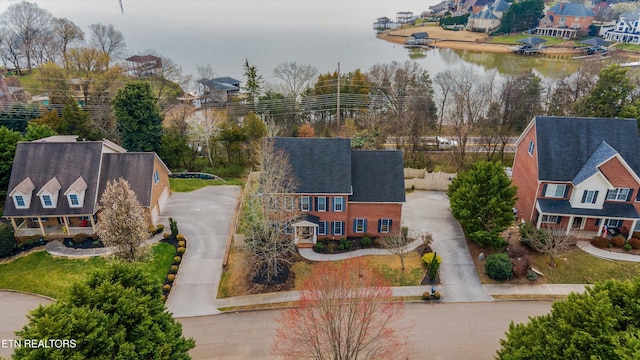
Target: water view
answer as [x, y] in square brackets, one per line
[322, 33]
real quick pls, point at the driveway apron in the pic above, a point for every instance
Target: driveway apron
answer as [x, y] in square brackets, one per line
[204, 216]
[429, 212]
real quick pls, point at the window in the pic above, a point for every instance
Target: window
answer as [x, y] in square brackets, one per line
[551, 219]
[84, 218]
[620, 194]
[288, 203]
[61, 220]
[156, 177]
[73, 200]
[589, 197]
[384, 226]
[531, 147]
[359, 225]
[322, 228]
[613, 223]
[46, 201]
[288, 229]
[338, 203]
[321, 203]
[19, 200]
[555, 190]
[305, 203]
[337, 228]
[272, 203]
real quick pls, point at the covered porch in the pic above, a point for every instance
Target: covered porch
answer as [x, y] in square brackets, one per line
[54, 226]
[305, 230]
[588, 223]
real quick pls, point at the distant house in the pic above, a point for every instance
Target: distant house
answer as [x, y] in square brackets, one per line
[417, 38]
[343, 192]
[488, 19]
[10, 95]
[626, 29]
[404, 17]
[56, 184]
[580, 174]
[566, 20]
[144, 65]
[218, 91]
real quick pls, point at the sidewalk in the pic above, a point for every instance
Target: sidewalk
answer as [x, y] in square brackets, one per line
[56, 248]
[605, 254]
[309, 254]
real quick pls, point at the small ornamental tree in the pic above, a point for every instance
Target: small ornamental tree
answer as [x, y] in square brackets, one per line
[601, 323]
[482, 200]
[397, 244]
[122, 220]
[344, 314]
[551, 241]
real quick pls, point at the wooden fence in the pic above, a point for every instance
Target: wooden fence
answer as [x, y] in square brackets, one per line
[420, 179]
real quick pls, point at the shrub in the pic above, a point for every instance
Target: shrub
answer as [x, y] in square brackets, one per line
[499, 267]
[181, 243]
[618, 241]
[627, 247]
[173, 269]
[428, 258]
[166, 287]
[180, 237]
[20, 245]
[378, 242]
[636, 235]
[635, 243]
[426, 295]
[177, 259]
[78, 238]
[437, 295]
[7, 240]
[152, 229]
[173, 225]
[163, 298]
[180, 250]
[600, 242]
[531, 275]
[405, 232]
[332, 247]
[159, 228]
[30, 242]
[96, 243]
[517, 251]
[318, 247]
[488, 238]
[171, 277]
[521, 265]
[365, 241]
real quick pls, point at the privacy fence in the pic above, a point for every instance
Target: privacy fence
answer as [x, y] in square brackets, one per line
[420, 179]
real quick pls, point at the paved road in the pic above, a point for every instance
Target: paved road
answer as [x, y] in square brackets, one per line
[429, 212]
[447, 331]
[204, 216]
[13, 308]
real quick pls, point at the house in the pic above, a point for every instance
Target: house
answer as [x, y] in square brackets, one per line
[56, 184]
[566, 20]
[417, 38]
[404, 17]
[144, 65]
[218, 91]
[626, 29]
[488, 19]
[343, 192]
[579, 173]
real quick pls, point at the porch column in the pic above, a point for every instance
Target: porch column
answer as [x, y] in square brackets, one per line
[600, 227]
[569, 225]
[633, 226]
[15, 226]
[315, 237]
[93, 224]
[41, 226]
[539, 222]
[295, 235]
[66, 225]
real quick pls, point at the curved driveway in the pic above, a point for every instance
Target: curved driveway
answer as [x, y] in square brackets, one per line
[13, 308]
[204, 216]
[429, 212]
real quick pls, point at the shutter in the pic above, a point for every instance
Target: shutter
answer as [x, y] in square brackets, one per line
[390, 221]
[364, 227]
[316, 204]
[342, 223]
[584, 196]
[630, 196]
[355, 224]
[558, 219]
[566, 191]
[597, 223]
[544, 190]
[332, 228]
[380, 225]
[331, 205]
[595, 197]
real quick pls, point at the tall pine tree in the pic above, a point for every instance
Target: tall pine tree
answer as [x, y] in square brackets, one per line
[138, 119]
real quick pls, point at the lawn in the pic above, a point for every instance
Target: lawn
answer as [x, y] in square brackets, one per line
[44, 274]
[513, 39]
[187, 185]
[627, 47]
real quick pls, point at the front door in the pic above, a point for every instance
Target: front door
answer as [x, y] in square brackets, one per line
[578, 223]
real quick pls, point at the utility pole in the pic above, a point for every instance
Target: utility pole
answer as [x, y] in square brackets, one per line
[338, 101]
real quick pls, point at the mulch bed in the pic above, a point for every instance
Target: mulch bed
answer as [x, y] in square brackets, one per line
[88, 243]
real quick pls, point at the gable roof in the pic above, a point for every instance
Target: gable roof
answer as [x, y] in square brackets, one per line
[565, 144]
[603, 153]
[136, 168]
[321, 166]
[500, 5]
[570, 9]
[41, 161]
[377, 176]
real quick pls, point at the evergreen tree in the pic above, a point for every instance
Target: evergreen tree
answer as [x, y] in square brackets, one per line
[8, 141]
[610, 95]
[37, 131]
[521, 15]
[254, 83]
[138, 118]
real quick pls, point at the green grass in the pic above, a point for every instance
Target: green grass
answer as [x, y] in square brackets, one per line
[187, 185]
[627, 47]
[513, 39]
[582, 268]
[41, 273]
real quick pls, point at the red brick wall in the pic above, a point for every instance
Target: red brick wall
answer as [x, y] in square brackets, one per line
[328, 215]
[525, 176]
[618, 175]
[373, 212]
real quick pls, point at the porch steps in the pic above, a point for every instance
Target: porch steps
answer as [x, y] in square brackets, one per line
[305, 245]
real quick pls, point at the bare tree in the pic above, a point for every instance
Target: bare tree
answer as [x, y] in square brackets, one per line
[552, 240]
[206, 71]
[205, 127]
[344, 314]
[568, 91]
[122, 220]
[297, 78]
[66, 33]
[270, 214]
[107, 39]
[24, 25]
[397, 244]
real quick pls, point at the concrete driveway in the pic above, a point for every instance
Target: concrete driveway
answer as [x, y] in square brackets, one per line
[204, 216]
[13, 309]
[429, 212]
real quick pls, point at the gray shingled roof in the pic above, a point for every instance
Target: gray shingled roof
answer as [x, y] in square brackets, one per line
[377, 176]
[603, 152]
[322, 166]
[565, 144]
[136, 168]
[609, 209]
[570, 9]
[41, 161]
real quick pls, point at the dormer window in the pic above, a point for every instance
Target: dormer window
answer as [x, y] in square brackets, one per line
[21, 194]
[49, 193]
[19, 199]
[75, 193]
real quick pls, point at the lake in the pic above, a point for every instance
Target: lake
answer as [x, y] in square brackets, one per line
[322, 33]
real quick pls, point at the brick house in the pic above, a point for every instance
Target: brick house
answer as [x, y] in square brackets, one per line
[566, 20]
[579, 173]
[56, 183]
[342, 192]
